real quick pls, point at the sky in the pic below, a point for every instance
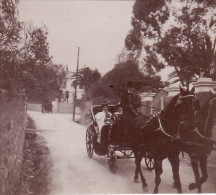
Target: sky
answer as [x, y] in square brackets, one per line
[99, 28]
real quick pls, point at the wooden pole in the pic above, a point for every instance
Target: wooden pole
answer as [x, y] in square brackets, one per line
[75, 93]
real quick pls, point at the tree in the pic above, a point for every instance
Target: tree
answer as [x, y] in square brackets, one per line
[86, 77]
[44, 78]
[10, 27]
[175, 33]
[115, 81]
[36, 47]
[10, 40]
[25, 63]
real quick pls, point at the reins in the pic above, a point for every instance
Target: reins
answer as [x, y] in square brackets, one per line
[151, 107]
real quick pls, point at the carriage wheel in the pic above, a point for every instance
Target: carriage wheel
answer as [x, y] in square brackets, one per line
[89, 142]
[149, 161]
[112, 160]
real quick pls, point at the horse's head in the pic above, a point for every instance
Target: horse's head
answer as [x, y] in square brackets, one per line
[186, 102]
[186, 109]
[180, 111]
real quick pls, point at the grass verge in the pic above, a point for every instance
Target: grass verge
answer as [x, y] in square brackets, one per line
[35, 177]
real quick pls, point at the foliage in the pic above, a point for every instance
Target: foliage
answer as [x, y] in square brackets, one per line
[44, 78]
[10, 27]
[86, 77]
[36, 47]
[115, 81]
[35, 177]
[176, 33]
[25, 64]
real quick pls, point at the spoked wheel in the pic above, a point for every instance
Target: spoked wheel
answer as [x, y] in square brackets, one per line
[149, 161]
[112, 160]
[89, 142]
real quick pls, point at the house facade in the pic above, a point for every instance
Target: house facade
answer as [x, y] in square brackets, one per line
[69, 90]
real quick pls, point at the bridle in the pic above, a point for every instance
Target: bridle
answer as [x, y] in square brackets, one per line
[180, 124]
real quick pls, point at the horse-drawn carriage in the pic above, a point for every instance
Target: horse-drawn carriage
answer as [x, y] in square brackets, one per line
[46, 107]
[174, 130]
[111, 144]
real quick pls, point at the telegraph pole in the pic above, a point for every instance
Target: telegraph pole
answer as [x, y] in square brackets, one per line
[75, 94]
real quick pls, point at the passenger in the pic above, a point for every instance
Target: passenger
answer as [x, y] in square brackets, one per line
[103, 118]
[119, 111]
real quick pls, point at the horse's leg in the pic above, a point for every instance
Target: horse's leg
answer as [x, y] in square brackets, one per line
[174, 161]
[195, 166]
[145, 186]
[203, 167]
[138, 159]
[158, 172]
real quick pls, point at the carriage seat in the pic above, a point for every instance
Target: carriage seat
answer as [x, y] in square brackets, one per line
[98, 108]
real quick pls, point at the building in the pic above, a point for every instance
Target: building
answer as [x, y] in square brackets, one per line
[68, 88]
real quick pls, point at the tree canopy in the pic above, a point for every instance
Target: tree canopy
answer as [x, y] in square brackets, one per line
[26, 66]
[176, 33]
[86, 78]
[115, 81]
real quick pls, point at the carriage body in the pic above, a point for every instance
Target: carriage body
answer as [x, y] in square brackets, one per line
[47, 108]
[111, 143]
[92, 132]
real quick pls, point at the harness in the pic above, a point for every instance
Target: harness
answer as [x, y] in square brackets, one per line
[195, 130]
[161, 128]
[182, 122]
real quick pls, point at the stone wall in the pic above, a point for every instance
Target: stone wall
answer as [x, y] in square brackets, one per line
[85, 117]
[34, 107]
[64, 107]
[12, 119]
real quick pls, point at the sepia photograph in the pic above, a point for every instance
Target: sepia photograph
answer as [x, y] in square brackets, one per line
[107, 97]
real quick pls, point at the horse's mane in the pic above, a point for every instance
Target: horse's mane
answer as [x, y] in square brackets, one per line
[170, 105]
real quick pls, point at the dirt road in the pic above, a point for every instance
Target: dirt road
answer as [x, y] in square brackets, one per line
[74, 173]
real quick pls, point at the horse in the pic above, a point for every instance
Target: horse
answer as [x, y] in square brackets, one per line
[160, 135]
[197, 142]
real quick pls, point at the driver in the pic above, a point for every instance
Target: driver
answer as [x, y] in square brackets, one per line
[102, 118]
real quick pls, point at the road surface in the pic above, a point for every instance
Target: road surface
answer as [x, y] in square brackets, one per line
[74, 172]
